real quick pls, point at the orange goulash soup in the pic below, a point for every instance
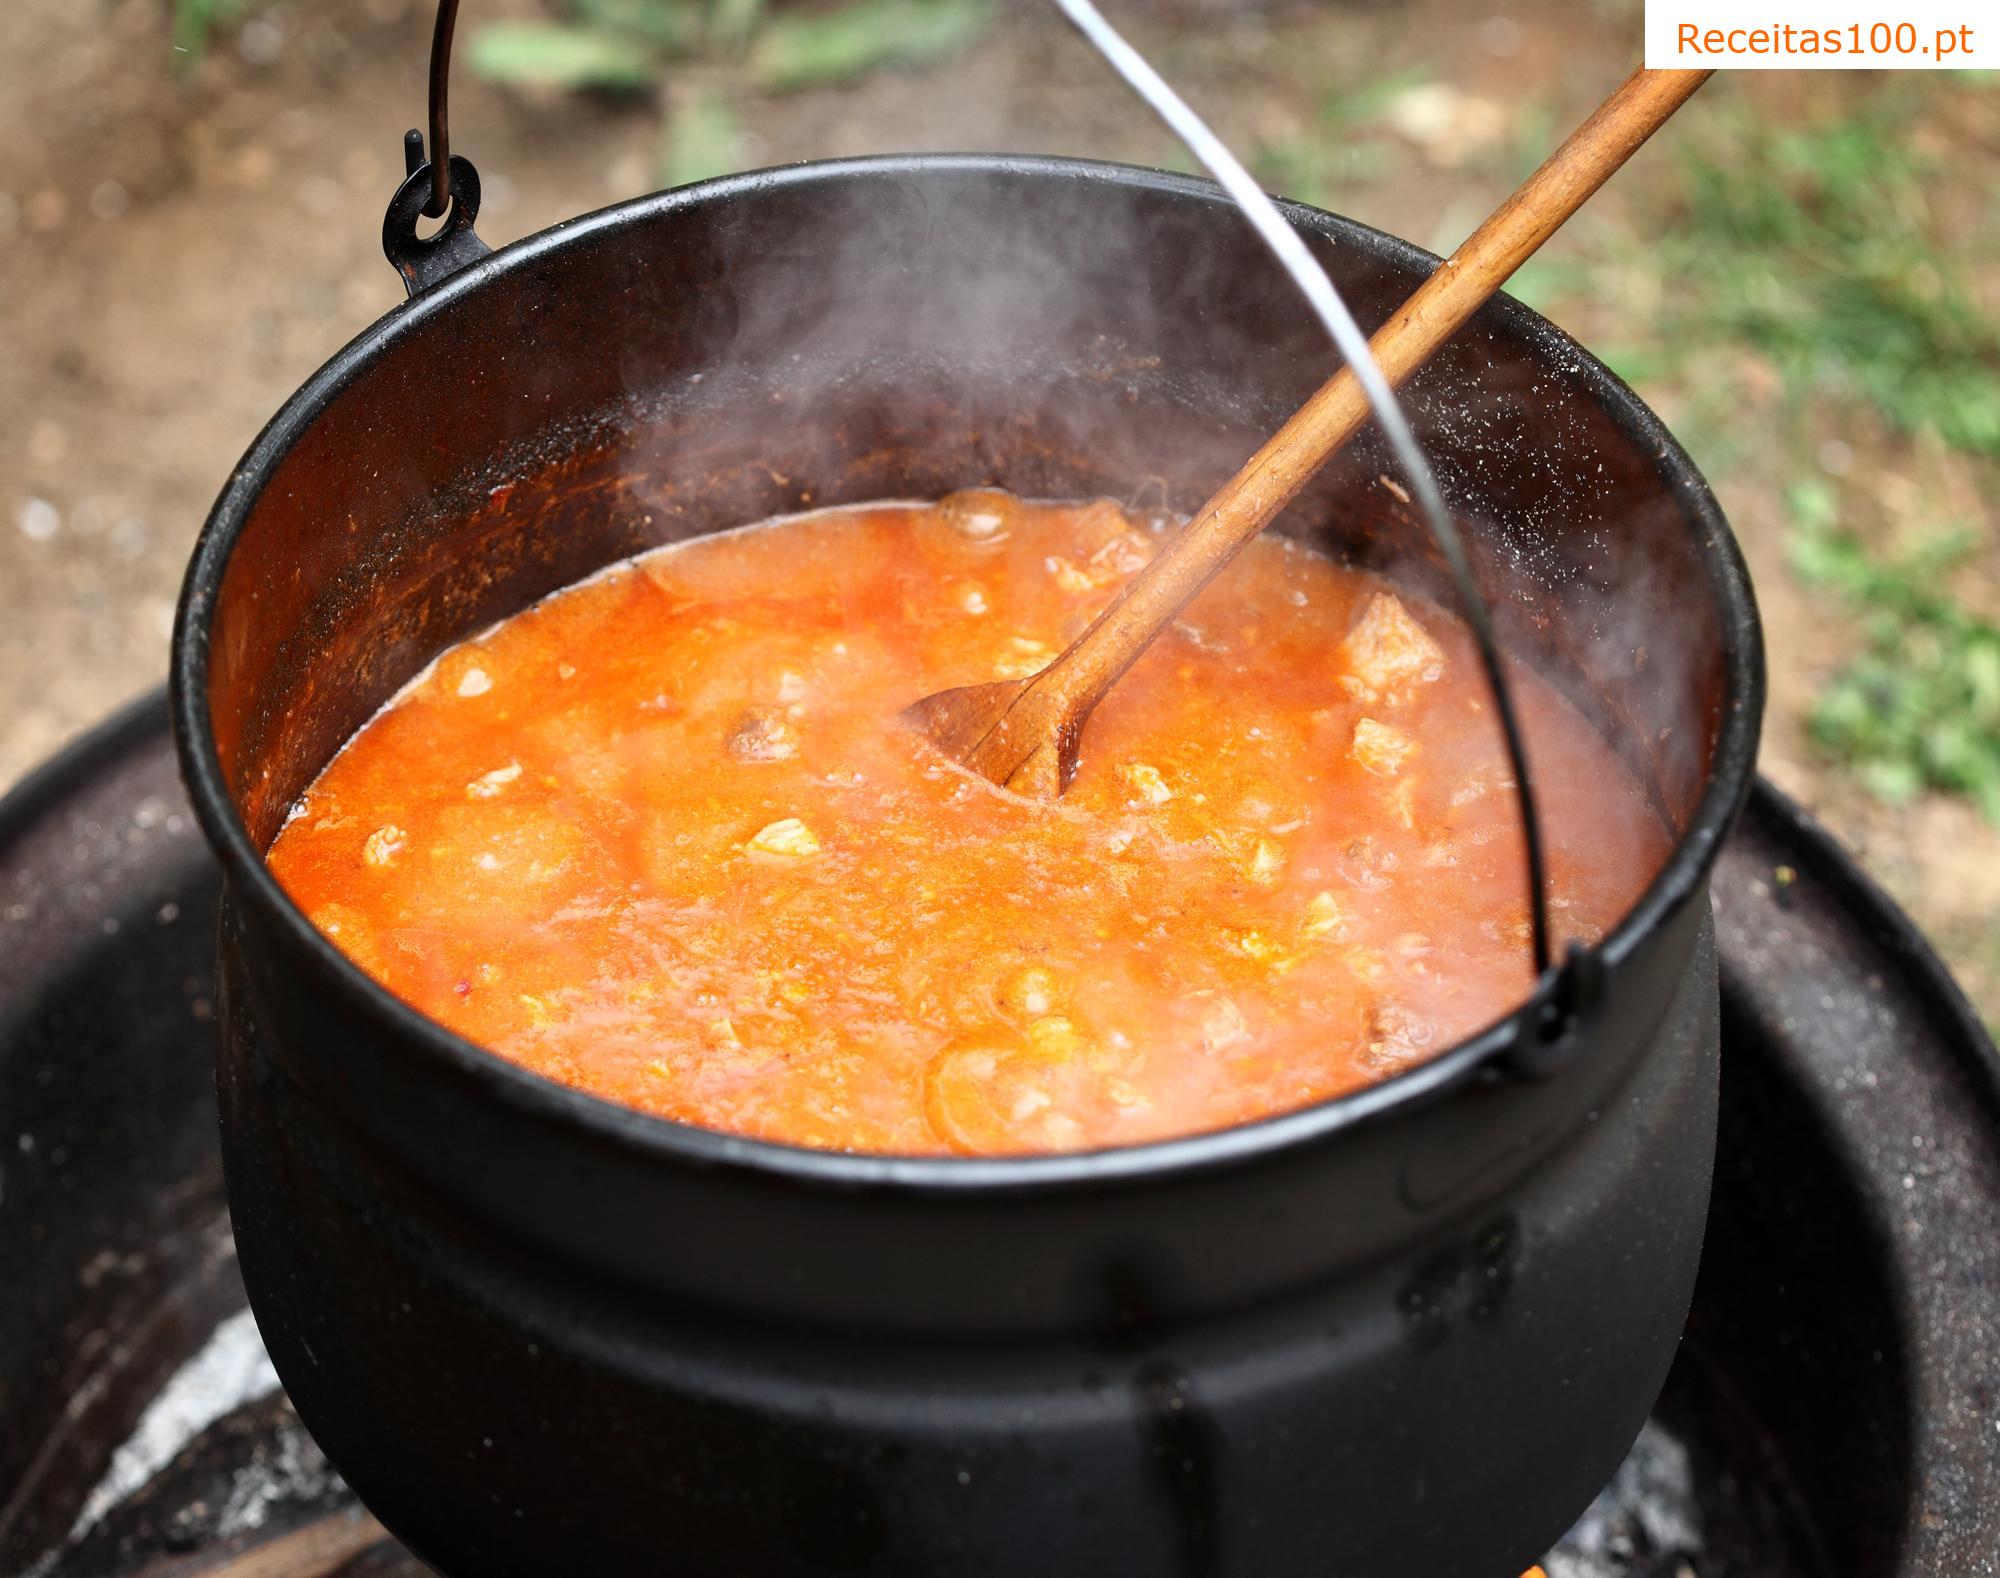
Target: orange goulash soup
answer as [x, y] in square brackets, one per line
[660, 837]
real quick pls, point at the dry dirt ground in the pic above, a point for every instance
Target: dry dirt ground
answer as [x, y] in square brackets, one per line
[179, 248]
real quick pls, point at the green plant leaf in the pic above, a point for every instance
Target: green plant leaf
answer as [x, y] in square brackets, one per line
[732, 23]
[1893, 779]
[800, 50]
[702, 138]
[1344, 108]
[673, 26]
[1982, 679]
[1814, 504]
[1919, 708]
[194, 20]
[549, 55]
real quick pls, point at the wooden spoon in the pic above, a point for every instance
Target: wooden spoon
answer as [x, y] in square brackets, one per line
[1023, 732]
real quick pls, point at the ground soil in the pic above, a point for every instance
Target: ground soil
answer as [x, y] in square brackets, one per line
[180, 247]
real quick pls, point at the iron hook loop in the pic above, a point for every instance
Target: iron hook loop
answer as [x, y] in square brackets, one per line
[440, 93]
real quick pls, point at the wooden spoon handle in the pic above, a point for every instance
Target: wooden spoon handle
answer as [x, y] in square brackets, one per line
[1073, 684]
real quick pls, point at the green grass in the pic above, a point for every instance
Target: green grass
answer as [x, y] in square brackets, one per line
[1812, 255]
[1796, 274]
[1818, 247]
[1805, 259]
[1919, 707]
[701, 137]
[1819, 250]
[806, 49]
[196, 20]
[1341, 152]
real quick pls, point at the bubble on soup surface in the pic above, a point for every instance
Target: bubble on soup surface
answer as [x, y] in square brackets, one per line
[997, 1091]
[1030, 992]
[980, 515]
[1054, 1037]
[1112, 546]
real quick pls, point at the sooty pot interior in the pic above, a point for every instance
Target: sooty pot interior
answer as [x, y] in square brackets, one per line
[898, 333]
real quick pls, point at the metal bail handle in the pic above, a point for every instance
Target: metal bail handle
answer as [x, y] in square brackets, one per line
[434, 187]
[445, 184]
[1550, 1024]
[1550, 1030]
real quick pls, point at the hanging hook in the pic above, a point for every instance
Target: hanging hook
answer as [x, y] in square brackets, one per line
[435, 186]
[440, 143]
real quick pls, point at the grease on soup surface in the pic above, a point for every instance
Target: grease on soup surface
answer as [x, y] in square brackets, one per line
[661, 838]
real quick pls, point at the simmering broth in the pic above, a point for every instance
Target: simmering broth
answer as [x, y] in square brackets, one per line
[660, 837]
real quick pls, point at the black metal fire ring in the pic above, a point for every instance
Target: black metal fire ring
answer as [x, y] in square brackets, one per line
[1839, 1389]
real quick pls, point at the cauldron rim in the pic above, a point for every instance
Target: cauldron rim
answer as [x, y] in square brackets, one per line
[1680, 879]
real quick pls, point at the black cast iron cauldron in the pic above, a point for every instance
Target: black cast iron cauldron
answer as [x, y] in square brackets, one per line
[1408, 1331]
